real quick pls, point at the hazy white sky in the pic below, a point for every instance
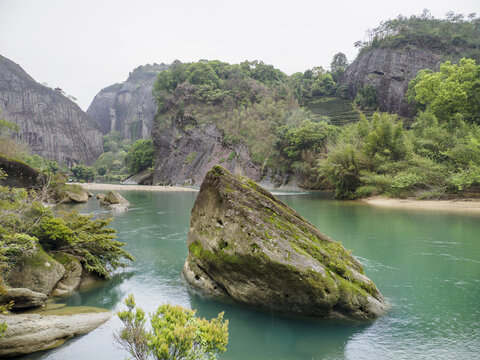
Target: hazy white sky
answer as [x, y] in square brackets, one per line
[84, 45]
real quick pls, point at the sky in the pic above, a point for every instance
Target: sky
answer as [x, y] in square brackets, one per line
[83, 46]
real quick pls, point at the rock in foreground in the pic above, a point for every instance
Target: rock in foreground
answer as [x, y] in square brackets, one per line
[29, 333]
[247, 245]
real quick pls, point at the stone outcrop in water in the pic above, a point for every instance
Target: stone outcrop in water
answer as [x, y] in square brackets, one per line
[247, 245]
[51, 124]
[114, 201]
[389, 71]
[28, 333]
[128, 108]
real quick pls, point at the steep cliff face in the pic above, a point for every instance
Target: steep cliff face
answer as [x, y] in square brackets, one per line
[389, 71]
[183, 156]
[128, 108]
[51, 124]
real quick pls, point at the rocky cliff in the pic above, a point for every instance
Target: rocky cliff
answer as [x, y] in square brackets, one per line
[128, 108]
[52, 125]
[389, 71]
[247, 245]
[184, 155]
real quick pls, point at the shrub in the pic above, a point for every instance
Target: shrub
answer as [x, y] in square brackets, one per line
[175, 333]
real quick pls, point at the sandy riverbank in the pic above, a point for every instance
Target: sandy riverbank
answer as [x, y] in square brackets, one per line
[466, 205]
[117, 187]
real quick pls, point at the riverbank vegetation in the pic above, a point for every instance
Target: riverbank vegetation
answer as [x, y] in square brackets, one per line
[438, 157]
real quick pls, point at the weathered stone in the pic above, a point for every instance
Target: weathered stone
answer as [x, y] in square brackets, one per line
[28, 333]
[184, 155]
[20, 174]
[72, 277]
[22, 298]
[112, 198]
[65, 193]
[51, 124]
[128, 108]
[38, 272]
[389, 71]
[247, 245]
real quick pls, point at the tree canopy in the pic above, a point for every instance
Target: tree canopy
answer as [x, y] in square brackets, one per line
[454, 89]
[175, 333]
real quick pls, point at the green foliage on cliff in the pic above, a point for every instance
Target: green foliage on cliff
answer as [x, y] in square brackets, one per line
[175, 333]
[453, 34]
[454, 89]
[438, 157]
[140, 156]
[250, 102]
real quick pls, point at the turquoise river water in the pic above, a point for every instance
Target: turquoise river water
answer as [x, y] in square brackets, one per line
[427, 264]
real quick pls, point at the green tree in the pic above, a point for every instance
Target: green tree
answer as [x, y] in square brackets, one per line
[201, 73]
[83, 172]
[366, 98]
[454, 89]
[175, 334]
[338, 65]
[140, 155]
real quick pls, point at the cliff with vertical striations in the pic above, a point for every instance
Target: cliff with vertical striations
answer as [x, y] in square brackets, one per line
[128, 108]
[51, 124]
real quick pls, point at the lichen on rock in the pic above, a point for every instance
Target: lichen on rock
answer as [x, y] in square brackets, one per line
[247, 245]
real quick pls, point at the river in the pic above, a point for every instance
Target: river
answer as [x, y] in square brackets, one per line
[427, 264]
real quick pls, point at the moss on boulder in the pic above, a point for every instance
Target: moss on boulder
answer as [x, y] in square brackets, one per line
[21, 174]
[249, 246]
[38, 272]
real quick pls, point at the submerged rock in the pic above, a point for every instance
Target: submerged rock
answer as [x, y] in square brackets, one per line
[249, 246]
[28, 333]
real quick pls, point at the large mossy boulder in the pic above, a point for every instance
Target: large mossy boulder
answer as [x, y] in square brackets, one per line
[20, 174]
[38, 272]
[249, 246]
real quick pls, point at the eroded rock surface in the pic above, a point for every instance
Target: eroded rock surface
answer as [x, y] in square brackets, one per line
[29, 333]
[247, 245]
[72, 277]
[51, 124]
[38, 272]
[389, 71]
[128, 108]
[22, 298]
[184, 155]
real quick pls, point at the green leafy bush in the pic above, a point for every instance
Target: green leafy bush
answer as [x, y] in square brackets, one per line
[175, 333]
[140, 156]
